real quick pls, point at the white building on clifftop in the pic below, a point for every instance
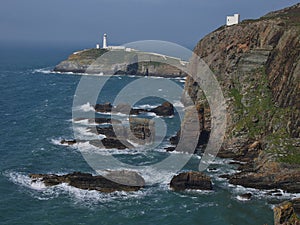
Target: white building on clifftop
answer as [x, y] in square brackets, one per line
[231, 20]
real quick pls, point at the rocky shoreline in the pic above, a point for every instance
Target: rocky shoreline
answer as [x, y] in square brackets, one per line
[257, 64]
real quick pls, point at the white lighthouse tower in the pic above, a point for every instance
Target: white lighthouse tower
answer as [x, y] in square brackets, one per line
[105, 41]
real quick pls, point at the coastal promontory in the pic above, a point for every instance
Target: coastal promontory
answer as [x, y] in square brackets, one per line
[122, 62]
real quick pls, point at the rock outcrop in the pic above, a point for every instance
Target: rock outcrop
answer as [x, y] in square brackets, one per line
[113, 181]
[257, 64]
[140, 131]
[284, 214]
[191, 180]
[165, 109]
[68, 142]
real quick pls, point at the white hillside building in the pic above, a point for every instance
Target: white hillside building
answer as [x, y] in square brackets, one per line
[231, 20]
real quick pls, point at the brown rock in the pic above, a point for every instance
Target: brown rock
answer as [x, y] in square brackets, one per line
[191, 180]
[104, 108]
[166, 109]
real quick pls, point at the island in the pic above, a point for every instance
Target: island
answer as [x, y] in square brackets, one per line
[122, 61]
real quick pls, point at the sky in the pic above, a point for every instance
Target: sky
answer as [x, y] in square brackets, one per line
[183, 22]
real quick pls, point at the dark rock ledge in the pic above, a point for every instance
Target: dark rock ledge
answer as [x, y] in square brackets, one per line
[191, 180]
[113, 181]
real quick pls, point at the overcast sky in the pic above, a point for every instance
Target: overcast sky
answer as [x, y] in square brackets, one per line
[84, 21]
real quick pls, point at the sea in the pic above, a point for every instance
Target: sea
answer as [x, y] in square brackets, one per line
[36, 112]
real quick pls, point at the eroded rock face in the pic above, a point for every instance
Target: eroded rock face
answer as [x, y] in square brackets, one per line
[191, 180]
[113, 181]
[284, 214]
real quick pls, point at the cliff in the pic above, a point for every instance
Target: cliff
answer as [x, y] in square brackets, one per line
[111, 62]
[257, 64]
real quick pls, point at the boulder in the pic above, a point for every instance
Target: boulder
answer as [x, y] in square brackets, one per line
[68, 142]
[110, 143]
[170, 149]
[166, 109]
[104, 108]
[245, 197]
[284, 214]
[113, 181]
[175, 139]
[191, 180]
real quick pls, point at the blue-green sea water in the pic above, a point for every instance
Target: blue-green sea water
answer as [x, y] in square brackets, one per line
[36, 112]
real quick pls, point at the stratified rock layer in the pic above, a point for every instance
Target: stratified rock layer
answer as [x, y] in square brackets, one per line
[257, 64]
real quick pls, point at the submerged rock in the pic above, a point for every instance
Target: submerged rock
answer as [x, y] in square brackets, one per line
[191, 180]
[113, 181]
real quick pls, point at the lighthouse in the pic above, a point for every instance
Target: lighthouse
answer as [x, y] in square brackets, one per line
[105, 41]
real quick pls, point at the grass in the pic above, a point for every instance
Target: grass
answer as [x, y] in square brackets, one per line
[261, 119]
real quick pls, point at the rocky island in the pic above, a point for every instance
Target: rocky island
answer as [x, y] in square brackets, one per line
[122, 62]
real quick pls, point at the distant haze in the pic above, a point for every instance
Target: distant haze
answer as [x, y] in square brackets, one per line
[84, 21]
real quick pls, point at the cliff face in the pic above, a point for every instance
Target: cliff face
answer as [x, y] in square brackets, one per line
[257, 63]
[110, 62]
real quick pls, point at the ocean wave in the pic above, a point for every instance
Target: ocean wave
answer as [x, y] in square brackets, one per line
[48, 70]
[178, 104]
[83, 133]
[279, 194]
[86, 107]
[25, 181]
[146, 106]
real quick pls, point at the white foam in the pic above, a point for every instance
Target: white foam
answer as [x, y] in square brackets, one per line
[145, 106]
[50, 71]
[87, 197]
[151, 114]
[86, 107]
[23, 180]
[240, 198]
[82, 133]
[178, 104]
